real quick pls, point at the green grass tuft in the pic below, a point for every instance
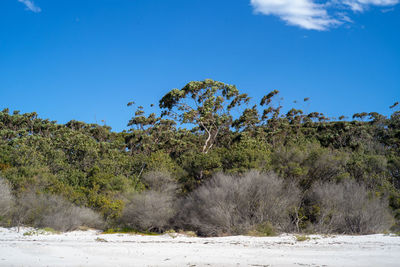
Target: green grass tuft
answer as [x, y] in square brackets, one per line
[301, 238]
[263, 229]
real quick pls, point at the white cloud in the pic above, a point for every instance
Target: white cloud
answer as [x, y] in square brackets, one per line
[315, 14]
[303, 13]
[30, 5]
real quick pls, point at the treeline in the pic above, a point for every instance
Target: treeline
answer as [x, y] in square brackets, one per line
[208, 162]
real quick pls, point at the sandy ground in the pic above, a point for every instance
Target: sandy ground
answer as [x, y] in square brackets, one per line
[91, 248]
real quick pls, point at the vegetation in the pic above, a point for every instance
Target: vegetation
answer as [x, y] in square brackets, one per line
[151, 210]
[301, 238]
[228, 205]
[6, 201]
[44, 231]
[263, 229]
[210, 162]
[347, 208]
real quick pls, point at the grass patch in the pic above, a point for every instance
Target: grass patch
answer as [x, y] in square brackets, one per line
[127, 230]
[42, 231]
[99, 239]
[29, 233]
[301, 238]
[50, 230]
[263, 229]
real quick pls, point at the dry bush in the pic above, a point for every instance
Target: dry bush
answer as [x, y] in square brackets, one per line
[149, 211]
[39, 210]
[153, 209]
[237, 204]
[6, 200]
[64, 216]
[348, 208]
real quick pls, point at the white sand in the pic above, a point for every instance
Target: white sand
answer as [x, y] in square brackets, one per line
[80, 248]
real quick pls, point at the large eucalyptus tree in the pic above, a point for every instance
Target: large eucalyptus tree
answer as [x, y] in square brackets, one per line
[207, 105]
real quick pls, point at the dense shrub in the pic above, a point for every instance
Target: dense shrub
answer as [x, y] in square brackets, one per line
[40, 210]
[160, 182]
[348, 208]
[309, 163]
[237, 204]
[153, 209]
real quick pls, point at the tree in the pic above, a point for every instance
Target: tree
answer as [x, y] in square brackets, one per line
[205, 104]
[249, 120]
[148, 133]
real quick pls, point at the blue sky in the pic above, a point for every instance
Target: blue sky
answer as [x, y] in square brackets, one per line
[86, 59]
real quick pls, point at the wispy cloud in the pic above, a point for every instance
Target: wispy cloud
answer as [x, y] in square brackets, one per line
[361, 5]
[30, 5]
[316, 14]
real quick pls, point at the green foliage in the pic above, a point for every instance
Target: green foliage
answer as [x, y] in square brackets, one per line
[246, 154]
[308, 163]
